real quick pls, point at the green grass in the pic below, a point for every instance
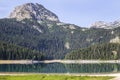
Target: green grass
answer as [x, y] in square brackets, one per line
[52, 77]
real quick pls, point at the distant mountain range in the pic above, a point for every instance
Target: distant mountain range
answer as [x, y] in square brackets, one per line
[102, 24]
[34, 27]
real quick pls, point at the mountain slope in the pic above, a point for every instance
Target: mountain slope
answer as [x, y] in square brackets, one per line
[104, 25]
[53, 38]
[26, 35]
[108, 51]
[34, 12]
[14, 52]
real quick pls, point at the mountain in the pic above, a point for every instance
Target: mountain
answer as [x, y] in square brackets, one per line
[34, 12]
[107, 51]
[48, 36]
[28, 27]
[104, 25]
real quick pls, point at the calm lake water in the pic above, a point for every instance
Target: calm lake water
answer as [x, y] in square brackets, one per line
[61, 68]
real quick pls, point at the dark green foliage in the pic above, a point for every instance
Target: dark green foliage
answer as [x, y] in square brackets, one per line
[23, 34]
[108, 51]
[13, 52]
[51, 41]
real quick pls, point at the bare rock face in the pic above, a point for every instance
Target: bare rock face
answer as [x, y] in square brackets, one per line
[99, 24]
[34, 12]
[104, 25]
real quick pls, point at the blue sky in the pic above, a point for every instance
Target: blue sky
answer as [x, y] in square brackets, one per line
[79, 12]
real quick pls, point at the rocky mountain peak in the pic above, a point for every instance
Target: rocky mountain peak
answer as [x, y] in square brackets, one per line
[105, 25]
[33, 11]
[99, 24]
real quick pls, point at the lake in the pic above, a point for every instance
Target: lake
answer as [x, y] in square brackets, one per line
[61, 68]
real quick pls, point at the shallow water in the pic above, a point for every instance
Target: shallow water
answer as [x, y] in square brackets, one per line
[61, 68]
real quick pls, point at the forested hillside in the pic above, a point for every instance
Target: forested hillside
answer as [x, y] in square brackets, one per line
[22, 33]
[42, 31]
[108, 51]
[13, 52]
[56, 41]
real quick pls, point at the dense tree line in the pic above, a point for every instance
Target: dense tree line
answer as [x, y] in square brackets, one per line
[23, 34]
[53, 38]
[13, 52]
[108, 51]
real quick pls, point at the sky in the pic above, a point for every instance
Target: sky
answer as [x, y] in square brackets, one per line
[80, 12]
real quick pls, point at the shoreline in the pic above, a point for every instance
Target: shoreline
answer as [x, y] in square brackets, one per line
[58, 61]
[80, 61]
[116, 76]
[67, 74]
[16, 62]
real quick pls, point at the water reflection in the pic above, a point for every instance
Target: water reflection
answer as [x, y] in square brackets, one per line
[92, 68]
[61, 68]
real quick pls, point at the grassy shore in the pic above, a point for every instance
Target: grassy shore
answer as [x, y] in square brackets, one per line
[52, 77]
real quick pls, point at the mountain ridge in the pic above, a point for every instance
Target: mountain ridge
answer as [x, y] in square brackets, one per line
[34, 12]
[53, 38]
[106, 25]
